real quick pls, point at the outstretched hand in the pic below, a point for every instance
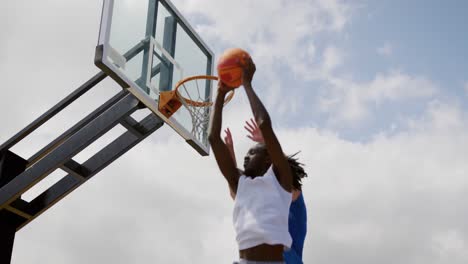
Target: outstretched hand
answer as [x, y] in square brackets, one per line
[229, 143]
[254, 130]
[248, 72]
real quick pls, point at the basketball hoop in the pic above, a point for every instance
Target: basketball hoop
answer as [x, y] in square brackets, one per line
[191, 95]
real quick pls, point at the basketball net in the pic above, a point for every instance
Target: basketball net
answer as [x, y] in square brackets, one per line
[192, 96]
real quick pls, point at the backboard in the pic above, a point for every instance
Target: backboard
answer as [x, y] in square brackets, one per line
[147, 47]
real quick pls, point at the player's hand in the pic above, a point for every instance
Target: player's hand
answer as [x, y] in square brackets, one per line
[229, 142]
[248, 72]
[254, 131]
[223, 88]
[228, 137]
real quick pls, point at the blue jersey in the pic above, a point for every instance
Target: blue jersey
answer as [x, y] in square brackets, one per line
[298, 230]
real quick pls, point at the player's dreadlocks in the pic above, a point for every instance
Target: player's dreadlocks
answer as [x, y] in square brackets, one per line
[297, 170]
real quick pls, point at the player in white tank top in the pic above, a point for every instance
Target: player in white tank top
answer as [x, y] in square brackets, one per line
[261, 212]
[263, 191]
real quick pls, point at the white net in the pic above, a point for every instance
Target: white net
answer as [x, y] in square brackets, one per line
[197, 103]
[194, 93]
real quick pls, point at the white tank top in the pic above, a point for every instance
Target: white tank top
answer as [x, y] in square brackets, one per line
[261, 212]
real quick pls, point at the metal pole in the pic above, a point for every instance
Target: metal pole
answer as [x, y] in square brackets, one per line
[169, 42]
[10, 166]
[54, 110]
[148, 49]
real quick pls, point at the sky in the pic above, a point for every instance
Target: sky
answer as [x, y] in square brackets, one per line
[373, 93]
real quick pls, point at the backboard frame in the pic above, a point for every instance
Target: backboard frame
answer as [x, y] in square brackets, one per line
[104, 51]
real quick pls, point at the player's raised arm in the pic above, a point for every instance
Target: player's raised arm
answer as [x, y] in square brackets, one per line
[220, 150]
[280, 162]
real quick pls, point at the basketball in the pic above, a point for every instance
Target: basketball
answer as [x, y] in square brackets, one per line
[230, 66]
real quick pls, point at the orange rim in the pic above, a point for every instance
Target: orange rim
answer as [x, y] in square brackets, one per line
[200, 77]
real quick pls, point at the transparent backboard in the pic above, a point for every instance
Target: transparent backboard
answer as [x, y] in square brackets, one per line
[148, 47]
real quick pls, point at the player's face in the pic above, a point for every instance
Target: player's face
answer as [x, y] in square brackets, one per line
[257, 161]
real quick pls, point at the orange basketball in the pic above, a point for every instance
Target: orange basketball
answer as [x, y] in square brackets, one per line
[230, 66]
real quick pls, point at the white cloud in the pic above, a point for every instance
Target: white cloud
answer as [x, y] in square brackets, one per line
[311, 51]
[450, 245]
[337, 11]
[351, 102]
[249, 22]
[332, 58]
[277, 33]
[385, 50]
